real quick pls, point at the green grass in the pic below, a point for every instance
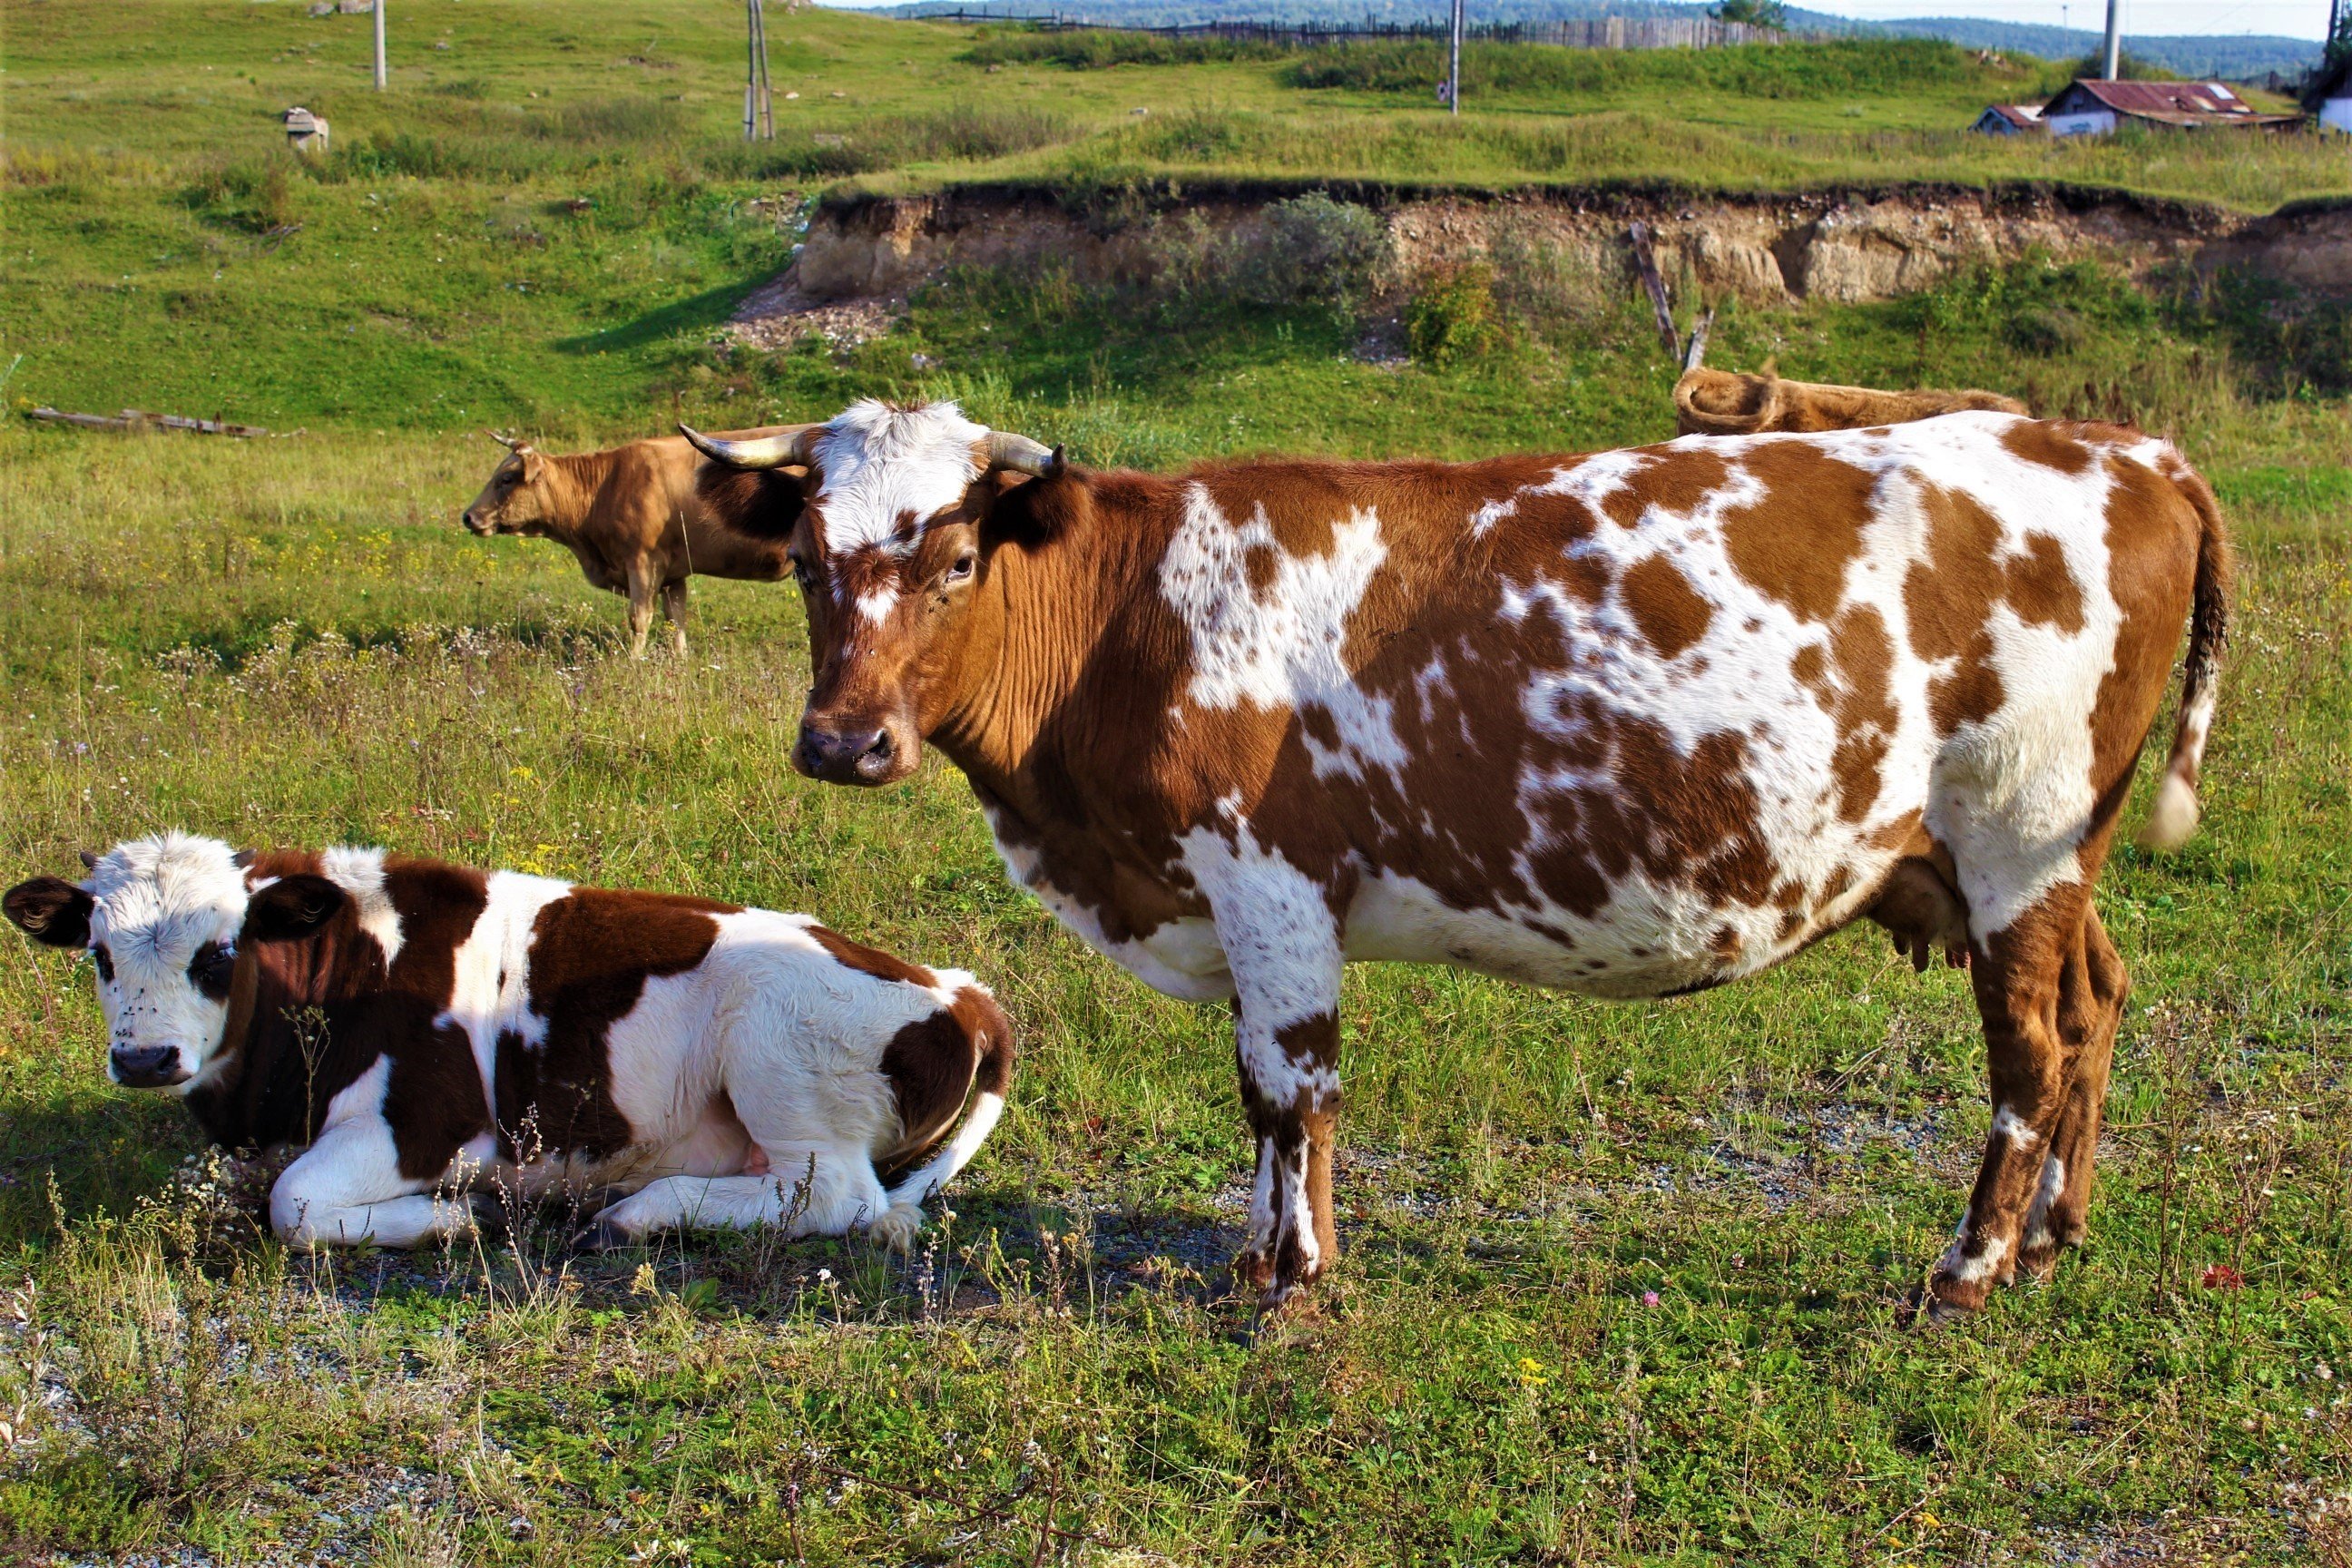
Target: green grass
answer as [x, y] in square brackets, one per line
[291, 641]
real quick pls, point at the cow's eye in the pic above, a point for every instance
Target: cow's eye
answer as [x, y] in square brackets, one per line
[801, 575]
[211, 968]
[105, 962]
[962, 568]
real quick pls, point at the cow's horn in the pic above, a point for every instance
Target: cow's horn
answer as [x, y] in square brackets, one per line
[1023, 456]
[509, 442]
[786, 449]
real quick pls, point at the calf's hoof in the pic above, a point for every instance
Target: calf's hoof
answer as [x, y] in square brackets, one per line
[602, 1235]
[897, 1226]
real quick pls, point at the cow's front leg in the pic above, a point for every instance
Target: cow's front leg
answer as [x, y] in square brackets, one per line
[641, 590]
[674, 611]
[1286, 1038]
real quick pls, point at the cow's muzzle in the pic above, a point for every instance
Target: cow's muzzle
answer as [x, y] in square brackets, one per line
[475, 525]
[853, 754]
[148, 1066]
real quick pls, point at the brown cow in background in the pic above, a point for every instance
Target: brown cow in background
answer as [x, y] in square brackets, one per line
[1723, 402]
[630, 515]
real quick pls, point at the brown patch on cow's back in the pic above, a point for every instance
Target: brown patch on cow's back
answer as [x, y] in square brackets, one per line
[2041, 588]
[1672, 481]
[439, 905]
[2048, 443]
[870, 961]
[1663, 606]
[591, 952]
[1794, 542]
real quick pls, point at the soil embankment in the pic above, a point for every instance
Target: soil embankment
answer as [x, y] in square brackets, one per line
[1845, 245]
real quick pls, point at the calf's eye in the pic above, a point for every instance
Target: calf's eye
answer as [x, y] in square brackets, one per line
[962, 567]
[105, 962]
[211, 970]
[802, 576]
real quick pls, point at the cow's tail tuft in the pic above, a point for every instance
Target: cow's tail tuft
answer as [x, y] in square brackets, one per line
[2174, 815]
[991, 1081]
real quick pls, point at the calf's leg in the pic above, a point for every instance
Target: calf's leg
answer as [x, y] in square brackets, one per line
[812, 1190]
[347, 1189]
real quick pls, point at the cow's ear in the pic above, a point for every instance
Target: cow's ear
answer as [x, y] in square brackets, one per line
[291, 907]
[758, 503]
[1028, 512]
[533, 465]
[51, 909]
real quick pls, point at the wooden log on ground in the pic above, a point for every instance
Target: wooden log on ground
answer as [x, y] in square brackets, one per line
[1647, 266]
[1723, 402]
[131, 419]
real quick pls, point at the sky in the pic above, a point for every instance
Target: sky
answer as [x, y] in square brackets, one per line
[2289, 18]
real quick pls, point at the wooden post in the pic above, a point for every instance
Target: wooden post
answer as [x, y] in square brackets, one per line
[1647, 266]
[767, 93]
[750, 69]
[2115, 37]
[1454, 64]
[1697, 353]
[382, 76]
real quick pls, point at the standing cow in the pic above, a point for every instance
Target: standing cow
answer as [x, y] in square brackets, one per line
[1629, 723]
[631, 516]
[418, 1029]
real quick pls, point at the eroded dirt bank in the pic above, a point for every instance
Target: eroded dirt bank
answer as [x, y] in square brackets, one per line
[1840, 244]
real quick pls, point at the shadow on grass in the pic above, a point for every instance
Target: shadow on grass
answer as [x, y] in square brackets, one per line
[696, 312]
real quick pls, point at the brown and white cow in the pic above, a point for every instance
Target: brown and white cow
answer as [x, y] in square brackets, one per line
[422, 1028]
[629, 514]
[1628, 723]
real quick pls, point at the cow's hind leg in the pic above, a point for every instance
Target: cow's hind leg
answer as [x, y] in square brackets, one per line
[2018, 973]
[641, 606]
[2091, 995]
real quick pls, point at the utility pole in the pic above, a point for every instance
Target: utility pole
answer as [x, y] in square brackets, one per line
[2115, 36]
[1453, 63]
[758, 99]
[379, 74]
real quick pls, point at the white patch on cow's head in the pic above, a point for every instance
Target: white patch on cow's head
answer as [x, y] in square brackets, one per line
[164, 929]
[880, 466]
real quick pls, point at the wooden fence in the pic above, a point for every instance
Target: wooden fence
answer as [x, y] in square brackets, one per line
[1602, 33]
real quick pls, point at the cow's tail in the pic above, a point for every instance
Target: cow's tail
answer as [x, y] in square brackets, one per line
[991, 1038]
[2174, 816]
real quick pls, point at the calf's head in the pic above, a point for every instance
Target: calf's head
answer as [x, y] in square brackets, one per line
[170, 924]
[514, 500]
[892, 517]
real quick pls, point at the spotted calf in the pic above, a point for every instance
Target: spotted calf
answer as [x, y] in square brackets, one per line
[418, 1026]
[1629, 723]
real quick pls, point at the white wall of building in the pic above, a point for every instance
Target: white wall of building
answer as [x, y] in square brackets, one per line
[2089, 122]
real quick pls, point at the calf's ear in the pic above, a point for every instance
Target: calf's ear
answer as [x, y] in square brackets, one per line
[291, 907]
[51, 909]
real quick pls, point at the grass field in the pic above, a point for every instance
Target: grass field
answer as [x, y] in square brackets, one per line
[1622, 1282]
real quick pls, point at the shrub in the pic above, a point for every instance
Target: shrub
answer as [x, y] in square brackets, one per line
[1451, 316]
[1100, 48]
[1313, 250]
[2049, 330]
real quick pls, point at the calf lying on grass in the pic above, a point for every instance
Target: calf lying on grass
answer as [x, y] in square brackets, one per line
[422, 1026]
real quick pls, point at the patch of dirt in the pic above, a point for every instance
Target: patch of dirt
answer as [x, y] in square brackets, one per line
[779, 314]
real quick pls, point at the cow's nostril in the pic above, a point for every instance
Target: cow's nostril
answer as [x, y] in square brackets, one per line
[882, 748]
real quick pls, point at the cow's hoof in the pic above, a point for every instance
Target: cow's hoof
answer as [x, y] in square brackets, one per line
[1253, 1269]
[2037, 1263]
[1943, 1300]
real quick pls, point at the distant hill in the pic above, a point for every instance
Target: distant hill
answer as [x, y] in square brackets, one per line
[2233, 56]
